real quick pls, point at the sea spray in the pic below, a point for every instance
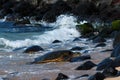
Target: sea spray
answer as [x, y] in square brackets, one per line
[64, 29]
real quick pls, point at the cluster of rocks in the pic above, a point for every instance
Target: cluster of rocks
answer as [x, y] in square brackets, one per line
[104, 69]
[48, 10]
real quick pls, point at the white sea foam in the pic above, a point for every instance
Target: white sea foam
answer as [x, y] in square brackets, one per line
[3, 20]
[64, 30]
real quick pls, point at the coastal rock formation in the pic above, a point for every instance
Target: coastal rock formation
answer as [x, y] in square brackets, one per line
[116, 50]
[32, 49]
[90, 10]
[110, 72]
[62, 76]
[105, 63]
[86, 66]
[97, 76]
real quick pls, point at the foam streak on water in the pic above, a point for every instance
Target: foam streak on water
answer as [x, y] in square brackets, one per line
[64, 30]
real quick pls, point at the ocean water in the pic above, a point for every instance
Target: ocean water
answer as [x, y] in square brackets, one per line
[12, 37]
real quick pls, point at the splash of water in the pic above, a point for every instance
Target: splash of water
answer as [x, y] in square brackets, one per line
[64, 30]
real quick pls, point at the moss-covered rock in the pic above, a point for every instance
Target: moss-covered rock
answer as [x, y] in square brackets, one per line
[115, 25]
[85, 29]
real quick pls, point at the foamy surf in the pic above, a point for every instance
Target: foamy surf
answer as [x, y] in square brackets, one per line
[64, 29]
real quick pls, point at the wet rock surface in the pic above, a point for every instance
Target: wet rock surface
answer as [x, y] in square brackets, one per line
[86, 66]
[104, 64]
[33, 49]
[43, 9]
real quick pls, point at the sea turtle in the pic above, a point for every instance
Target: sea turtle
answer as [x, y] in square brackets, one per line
[56, 56]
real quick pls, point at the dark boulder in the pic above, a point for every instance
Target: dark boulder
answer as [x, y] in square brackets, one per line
[80, 58]
[23, 8]
[105, 63]
[84, 9]
[110, 72]
[2, 2]
[97, 76]
[62, 76]
[116, 51]
[77, 39]
[40, 12]
[60, 7]
[32, 49]
[4, 12]
[98, 40]
[85, 29]
[116, 62]
[116, 39]
[101, 45]
[9, 4]
[77, 48]
[86, 66]
[56, 41]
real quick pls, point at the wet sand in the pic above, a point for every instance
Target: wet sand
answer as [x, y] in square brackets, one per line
[51, 70]
[14, 67]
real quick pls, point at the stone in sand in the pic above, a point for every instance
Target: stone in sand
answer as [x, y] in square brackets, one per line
[110, 72]
[101, 45]
[116, 51]
[62, 76]
[86, 66]
[56, 41]
[97, 76]
[98, 40]
[116, 62]
[77, 48]
[105, 63]
[116, 39]
[32, 49]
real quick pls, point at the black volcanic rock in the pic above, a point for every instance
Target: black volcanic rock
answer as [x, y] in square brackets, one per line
[84, 9]
[62, 76]
[116, 39]
[77, 48]
[98, 40]
[116, 51]
[97, 76]
[105, 63]
[110, 72]
[101, 45]
[60, 7]
[86, 66]
[23, 8]
[56, 41]
[116, 62]
[34, 48]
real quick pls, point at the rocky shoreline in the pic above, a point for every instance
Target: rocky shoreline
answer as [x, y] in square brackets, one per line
[99, 65]
[21, 11]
